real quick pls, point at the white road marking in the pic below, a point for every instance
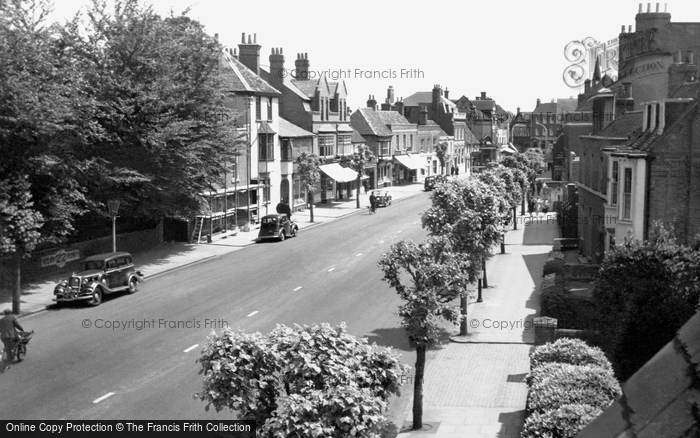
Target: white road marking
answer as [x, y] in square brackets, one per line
[97, 400]
[358, 254]
[191, 348]
[252, 313]
[399, 231]
[297, 288]
[381, 241]
[331, 269]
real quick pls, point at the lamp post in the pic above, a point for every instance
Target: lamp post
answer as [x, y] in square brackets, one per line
[113, 206]
[503, 242]
[479, 276]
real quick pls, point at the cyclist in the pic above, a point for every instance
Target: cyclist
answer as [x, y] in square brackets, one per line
[8, 334]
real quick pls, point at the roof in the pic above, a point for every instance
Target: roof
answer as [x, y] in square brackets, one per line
[287, 82]
[357, 138]
[417, 98]
[484, 104]
[367, 122]
[434, 127]
[623, 126]
[566, 105]
[660, 399]
[469, 137]
[306, 87]
[290, 130]
[543, 108]
[392, 118]
[236, 77]
[104, 256]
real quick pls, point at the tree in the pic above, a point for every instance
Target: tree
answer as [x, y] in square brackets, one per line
[644, 292]
[357, 162]
[441, 150]
[436, 275]
[162, 129]
[301, 380]
[310, 176]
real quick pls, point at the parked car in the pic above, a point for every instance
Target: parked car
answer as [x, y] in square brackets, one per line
[276, 227]
[383, 198]
[431, 181]
[99, 275]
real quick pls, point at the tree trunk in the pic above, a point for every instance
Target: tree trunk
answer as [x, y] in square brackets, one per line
[515, 218]
[418, 389]
[357, 190]
[311, 206]
[463, 302]
[483, 266]
[17, 290]
[522, 208]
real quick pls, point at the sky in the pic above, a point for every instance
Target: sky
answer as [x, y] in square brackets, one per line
[512, 50]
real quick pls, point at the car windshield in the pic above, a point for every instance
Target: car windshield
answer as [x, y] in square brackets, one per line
[95, 264]
[269, 220]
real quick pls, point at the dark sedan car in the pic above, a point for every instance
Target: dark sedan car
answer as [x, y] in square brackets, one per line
[432, 181]
[276, 227]
[383, 198]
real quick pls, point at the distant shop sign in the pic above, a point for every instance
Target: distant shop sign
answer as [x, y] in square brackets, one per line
[583, 55]
[60, 258]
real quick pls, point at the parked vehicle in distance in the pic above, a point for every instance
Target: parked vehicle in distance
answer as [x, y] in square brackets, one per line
[276, 227]
[431, 181]
[383, 198]
[100, 274]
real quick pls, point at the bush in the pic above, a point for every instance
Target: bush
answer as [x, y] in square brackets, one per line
[564, 422]
[553, 385]
[554, 263]
[571, 351]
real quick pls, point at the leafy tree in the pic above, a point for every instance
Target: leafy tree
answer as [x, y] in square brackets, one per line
[310, 176]
[162, 129]
[436, 275]
[301, 380]
[441, 151]
[644, 292]
[357, 162]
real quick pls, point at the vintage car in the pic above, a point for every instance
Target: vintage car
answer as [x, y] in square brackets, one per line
[99, 275]
[277, 227]
[383, 198]
[431, 181]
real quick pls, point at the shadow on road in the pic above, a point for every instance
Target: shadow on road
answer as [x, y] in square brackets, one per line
[396, 338]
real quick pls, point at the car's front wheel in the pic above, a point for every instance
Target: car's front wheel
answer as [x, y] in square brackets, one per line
[281, 235]
[133, 285]
[293, 232]
[96, 298]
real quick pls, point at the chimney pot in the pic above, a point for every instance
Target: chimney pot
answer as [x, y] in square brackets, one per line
[677, 57]
[623, 29]
[255, 38]
[242, 37]
[640, 8]
[250, 40]
[630, 28]
[657, 8]
[689, 57]
[216, 36]
[648, 8]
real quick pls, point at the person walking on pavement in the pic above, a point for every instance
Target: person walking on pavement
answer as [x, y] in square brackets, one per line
[284, 208]
[8, 334]
[372, 203]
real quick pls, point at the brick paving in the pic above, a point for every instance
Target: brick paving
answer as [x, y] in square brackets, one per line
[475, 388]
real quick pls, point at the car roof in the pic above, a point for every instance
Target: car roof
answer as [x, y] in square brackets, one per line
[105, 256]
[275, 215]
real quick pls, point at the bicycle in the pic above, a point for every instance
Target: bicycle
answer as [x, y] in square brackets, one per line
[19, 350]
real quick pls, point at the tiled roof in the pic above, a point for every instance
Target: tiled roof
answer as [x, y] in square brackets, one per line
[289, 129]
[236, 77]
[469, 137]
[687, 90]
[623, 126]
[566, 105]
[432, 128]
[392, 118]
[367, 122]
[287, 82]
[660, 399]
[548, 107]
[484, 104]
[307, 87]
[417, 98]
[357, 138]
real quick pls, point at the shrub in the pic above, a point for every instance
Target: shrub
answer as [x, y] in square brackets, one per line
[554, 263]
[571, 351]
[563, 422]
[552, 385]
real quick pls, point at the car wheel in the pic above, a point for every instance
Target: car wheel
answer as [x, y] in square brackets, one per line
[281, 236]
[133, 285]
[21, 351]
[96, 297]
[294, 232]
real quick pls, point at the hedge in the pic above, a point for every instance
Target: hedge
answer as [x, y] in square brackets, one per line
[553, 385]
[571, 351]
[563, 422]
[554, 263]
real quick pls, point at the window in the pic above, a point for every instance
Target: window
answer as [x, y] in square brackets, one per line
[269, 109]
[615, 181]
[344, 145]
[384, 148]
[326, 145]
[258, 108]
[287, 150]
[627, 195]
[266, 147]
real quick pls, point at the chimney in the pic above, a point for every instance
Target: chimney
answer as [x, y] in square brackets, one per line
[447, 93]
[371, 102]
[302, 67]
[437, 93]
[423, 115]
[250, 53]
[651, 19]
[538, 101]
[679, 73]
[628, 89]
[390, 95]
[689, 57]
[399, 106]
[277, 72]
[483, 95]
[235, 53]
[677, 57]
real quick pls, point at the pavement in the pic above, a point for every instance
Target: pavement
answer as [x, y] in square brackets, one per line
[38, 295]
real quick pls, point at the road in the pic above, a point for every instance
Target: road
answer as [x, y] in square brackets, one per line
[83, 363]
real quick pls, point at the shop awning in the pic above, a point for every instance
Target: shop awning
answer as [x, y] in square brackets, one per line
[339, 173]
[411, 162]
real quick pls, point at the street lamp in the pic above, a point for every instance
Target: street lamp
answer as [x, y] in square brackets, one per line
[113, 206]
[479, 276]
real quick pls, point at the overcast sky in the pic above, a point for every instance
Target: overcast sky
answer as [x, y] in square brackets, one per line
[512, 50]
